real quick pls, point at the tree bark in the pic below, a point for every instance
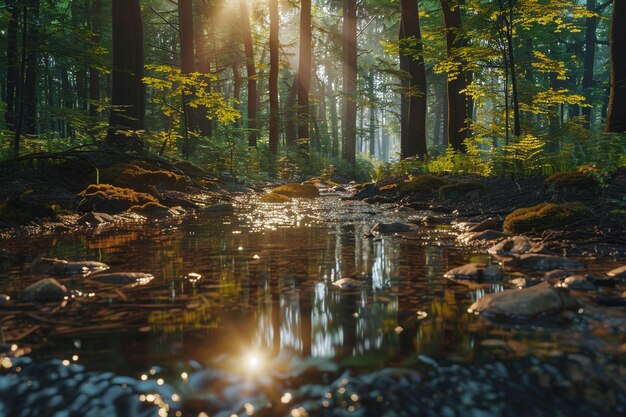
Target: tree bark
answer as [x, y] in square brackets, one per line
[413, 103]
[304, 69]
[128, 91]
[203, 65]
[94, 73]
[457, 100]
[12, 71]
[349, 81]
[32, 62]
[616, 114]
[187, 65]
[591, 26]
[273, 81]
[251, 72]
[291, 114]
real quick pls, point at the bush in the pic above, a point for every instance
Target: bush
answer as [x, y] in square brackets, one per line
[545, 216]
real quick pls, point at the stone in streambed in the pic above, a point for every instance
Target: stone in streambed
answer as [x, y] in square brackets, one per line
[483, 236]
[487, 224]
[225, 208]
[348, 284]
[542, 262]
[618, 273]
[578, 282]
[526, 303]
[124, 278]
[95, 219]
[47, 289]
[55, 266]
[474, 272]
[395, 227]
[512, 245]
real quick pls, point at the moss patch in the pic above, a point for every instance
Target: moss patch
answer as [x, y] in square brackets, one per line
[274, 198]
[189, 168]
[462, 190]
[544, 216]
[421, 183]
[571, 182]
[111, 199]
[297, 190]
[151, 209]
[142, 178]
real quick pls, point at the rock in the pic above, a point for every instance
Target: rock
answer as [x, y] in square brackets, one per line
[4, 299]
[297, 190]
[55, 266]
[274, 198]
[124, 278]
[47, 289]
[542, 262]
[378, 199]
[348, 284]
[339, 188]
[556, 274]
[112, 199]
[462, 190]
[487, 224]
[571, 183]
[225, 208]
[483, 236]
[421, 183]
[95, 219]
[474, 272]
[430, 220]
[618, 273]
[545, 216]
[578, 282]
[511, 246]
[395, 227]
[526, 303]
[154, 210]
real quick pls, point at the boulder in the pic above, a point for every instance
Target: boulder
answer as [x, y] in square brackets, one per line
[474, 272]
[124, 278]
[578, 282]
[274, 198]
[542, 262]
[47, 289]
[111, 199]
[297, 190]
[95, 219]
[526, 303]
[348, 284]
[545, 216]
[53, 266]
[395, 227]
[512, 245]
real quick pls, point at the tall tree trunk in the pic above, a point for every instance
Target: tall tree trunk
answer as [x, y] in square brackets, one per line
[457, 100]
[273, 81]
[291, 114]
[12, 71]
[616, 114]
[304, 69]
[349, 81]
[413, 112]
[591, 26]
[94, 72]
[32, 62]
[251, 72]
[187, 65]
[128, 91]
[203, 123]
[334, 123]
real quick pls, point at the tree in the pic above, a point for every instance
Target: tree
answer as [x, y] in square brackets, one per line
[128, 91]
[273, 81]
[413, 100]
[187, 63]
[94, 71]
[304, 70]
[349, 35]
[251, 72]
[616, 115]
[12, 72]
[457, 99]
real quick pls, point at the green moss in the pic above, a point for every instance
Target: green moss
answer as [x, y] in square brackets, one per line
[111, 199]
[150, 209]
[297, 190]
[189, 168]
[421, 183]
[571, 182]
[142, 178]
[462, 190]
[544, 216]
[274, 198]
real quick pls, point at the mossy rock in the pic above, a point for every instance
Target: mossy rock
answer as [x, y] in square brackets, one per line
[274, 198]
[462, 190]
[297, 190]
[571, 182]
[142, 177]
[421, 183]
[111, 199]
[152, 209]
[545, 216]
[189, 169]
[20, 210]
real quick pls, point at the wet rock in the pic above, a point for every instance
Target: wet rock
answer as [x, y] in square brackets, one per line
[512, 245]
[430, 220]
[339, 188]
[378, 199]
[545, 216]
[618, 273]
[462, 190]
[483, 236]
[55, 266]
[474, 272]
[395, 227]
[4, 299]
[526, 303]
[297, 190]
[487, 224]
[556, 274]
[542, 262]
[154, 210]
[112, 199]
[578, 282]
[274, 198]
[47, 289]
[225, 208]
[95, 219]
[124, 278]
[348, 284]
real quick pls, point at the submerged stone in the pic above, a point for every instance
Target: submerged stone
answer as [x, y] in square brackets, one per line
[47, 289]
[526, 303]
[55, 266]
[395, 227]
[124, 278]
[542, 262]
[474, 272]
[512, 245]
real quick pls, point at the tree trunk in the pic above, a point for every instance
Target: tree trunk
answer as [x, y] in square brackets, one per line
[457, 100]
[291, 114]
[32, 61]
[251, 72]
[203, 65]
[413, 113]
[591, 38]
[616, 114]
[273, 81]
[94, 73]
[128, 91]
[187, 65]
[304, 69]
[334, 124]
[349, 81]
[12, 74]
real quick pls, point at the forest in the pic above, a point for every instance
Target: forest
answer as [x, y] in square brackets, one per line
[313, 208]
